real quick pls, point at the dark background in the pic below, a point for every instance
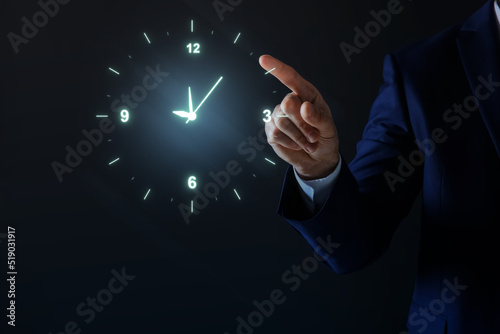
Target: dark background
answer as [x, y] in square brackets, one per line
[201, 277]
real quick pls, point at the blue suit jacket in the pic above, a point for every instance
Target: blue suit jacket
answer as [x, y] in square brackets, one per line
[434, 129]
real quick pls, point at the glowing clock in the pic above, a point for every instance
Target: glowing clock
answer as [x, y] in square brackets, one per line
[189, 103]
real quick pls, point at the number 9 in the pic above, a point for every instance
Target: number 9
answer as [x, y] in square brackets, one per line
[125, 115]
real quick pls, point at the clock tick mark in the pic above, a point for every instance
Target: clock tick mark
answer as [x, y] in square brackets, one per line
[270, 161]
[147, 38]
[147, 194]
[269, 71]
[237, 194]
[112, 162]
[115, 71]
[237, 38]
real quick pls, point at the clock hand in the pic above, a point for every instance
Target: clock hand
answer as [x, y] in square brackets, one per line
[191, 115]
[208, 94]
[190, 101]
[181, 113]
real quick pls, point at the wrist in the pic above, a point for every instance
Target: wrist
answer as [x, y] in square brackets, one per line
[318, 173]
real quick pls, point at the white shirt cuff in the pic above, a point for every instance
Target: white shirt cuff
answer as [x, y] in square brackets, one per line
[316, 192]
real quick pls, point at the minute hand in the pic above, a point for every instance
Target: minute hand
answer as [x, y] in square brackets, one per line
[210, 92]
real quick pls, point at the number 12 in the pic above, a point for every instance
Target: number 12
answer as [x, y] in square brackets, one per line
[193, 48]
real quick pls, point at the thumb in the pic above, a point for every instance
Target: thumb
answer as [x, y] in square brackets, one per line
[319, 117]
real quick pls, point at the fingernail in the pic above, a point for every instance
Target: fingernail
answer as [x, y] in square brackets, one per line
[312, 137]
[310, 148]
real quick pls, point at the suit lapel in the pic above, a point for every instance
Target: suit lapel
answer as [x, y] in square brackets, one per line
[479, 47]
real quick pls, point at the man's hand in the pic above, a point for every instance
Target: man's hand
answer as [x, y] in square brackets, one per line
[307, 138]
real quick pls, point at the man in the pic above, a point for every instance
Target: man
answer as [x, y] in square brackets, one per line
[434, 129]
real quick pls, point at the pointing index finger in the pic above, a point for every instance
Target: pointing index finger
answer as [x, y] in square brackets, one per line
[289, 77]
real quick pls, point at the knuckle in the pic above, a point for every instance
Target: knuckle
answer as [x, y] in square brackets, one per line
[303, 126]
[290, 103]
[270, 130]
[299, 138]
[282, 122]
[277, 109]
[274, 136]
[285, 124]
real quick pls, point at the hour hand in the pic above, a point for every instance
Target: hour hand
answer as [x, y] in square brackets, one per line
[181, 113]
[191, 116]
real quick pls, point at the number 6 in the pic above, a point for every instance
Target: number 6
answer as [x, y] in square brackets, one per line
[192, 182]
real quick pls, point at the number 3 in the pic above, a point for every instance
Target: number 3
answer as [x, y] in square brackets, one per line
[267, 112]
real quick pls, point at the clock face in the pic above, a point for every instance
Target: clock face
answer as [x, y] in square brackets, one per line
[187, 104]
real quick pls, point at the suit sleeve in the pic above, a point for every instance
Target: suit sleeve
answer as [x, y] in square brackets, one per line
[356, 224]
